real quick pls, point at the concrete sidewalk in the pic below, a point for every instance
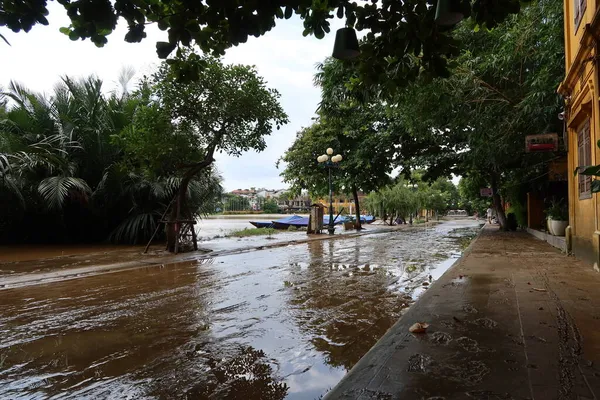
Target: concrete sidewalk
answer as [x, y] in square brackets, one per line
[513, 319]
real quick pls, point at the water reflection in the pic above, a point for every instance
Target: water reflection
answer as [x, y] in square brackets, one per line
[341, 304]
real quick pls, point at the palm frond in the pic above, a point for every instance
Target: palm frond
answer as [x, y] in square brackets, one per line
[57, 189]
[126, 74]
[136, 228]
[159, 189]
[5, 165]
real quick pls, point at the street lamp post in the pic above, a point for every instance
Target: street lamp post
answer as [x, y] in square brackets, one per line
[330, 162]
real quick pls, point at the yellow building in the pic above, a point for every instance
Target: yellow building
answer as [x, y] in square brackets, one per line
[344, 202]
[580, 90]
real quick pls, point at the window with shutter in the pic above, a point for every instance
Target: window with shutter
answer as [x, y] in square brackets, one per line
[584, 159]
[579, 7]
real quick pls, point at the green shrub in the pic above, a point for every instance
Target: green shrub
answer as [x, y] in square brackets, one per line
[520, 213]
[252, 232]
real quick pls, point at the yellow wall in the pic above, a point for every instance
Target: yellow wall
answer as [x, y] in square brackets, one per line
[580, 91]
[346, 203]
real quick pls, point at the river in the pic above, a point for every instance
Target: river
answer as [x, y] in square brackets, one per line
[279, 323]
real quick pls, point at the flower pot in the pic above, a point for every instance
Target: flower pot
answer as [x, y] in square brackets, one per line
[549, 225]
[558, 227]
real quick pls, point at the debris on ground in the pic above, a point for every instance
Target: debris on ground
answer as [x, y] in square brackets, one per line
[419, 327]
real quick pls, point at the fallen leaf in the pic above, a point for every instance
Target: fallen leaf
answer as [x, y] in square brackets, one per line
[539, 290]
[425, 283]
[419, 327]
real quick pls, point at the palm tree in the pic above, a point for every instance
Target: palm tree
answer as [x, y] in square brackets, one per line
[65, 172]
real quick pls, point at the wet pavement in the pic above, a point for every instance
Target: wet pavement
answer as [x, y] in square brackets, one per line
[285, 322]
[515, 319]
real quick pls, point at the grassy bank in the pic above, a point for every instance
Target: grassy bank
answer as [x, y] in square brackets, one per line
[252, 232]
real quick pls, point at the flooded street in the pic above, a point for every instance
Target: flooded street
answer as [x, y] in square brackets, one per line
[284, 322]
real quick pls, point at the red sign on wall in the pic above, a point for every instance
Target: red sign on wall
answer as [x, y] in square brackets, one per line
[486, 192]
[539, 143]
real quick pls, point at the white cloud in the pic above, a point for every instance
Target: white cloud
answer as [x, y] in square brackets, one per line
[283, 57]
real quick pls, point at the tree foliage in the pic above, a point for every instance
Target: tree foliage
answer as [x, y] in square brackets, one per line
[405, 198]
[227, 108]
[394, 201]
[502, 88]
[270, 207]
[470, 198]
[401, 36]
[355, 129]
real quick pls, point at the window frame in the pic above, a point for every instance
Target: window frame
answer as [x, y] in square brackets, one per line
[579, 6]
[584, 159]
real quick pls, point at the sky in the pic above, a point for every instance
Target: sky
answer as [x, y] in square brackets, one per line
[284, 57]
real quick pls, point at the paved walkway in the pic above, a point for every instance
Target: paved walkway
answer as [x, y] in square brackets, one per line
[514, 319]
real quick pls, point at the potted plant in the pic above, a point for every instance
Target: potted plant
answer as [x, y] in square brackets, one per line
[558, 218]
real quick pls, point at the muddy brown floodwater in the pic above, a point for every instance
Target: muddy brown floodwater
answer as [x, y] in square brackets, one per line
[281, 323]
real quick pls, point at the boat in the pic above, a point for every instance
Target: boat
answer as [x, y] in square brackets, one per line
[300, 222]
[340, 219]
[294, 220]
[262, 224]
[365, 219]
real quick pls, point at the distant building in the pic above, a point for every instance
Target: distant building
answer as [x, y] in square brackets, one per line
[257, 198]
[244, 192]
[269, 194]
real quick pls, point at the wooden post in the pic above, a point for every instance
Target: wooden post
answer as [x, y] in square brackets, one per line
[158, 226]
[177, 236]
[194, 237]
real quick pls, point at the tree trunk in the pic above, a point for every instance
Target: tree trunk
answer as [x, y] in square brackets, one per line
[358, 225]
[181, 211]
[498, 204]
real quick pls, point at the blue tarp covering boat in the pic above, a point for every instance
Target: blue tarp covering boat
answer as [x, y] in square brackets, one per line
[286, 222]
[340, 219]
[368, 218]
[298, 221]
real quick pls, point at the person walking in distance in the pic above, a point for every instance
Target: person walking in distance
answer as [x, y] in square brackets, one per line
[489, 213]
